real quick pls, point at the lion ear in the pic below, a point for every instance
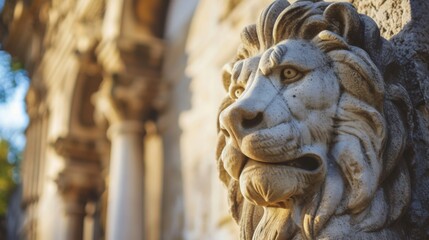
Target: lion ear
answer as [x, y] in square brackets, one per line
[327, 41]
[346, 20]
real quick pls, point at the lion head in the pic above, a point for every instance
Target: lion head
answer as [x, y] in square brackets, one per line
[312, 133]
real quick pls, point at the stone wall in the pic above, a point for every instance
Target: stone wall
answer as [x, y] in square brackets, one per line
[212, 41]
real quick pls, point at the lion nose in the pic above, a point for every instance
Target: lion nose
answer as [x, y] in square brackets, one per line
[237, 120]
[251, 120]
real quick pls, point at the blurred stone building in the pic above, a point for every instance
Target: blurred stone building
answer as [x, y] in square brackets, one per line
[123, 104]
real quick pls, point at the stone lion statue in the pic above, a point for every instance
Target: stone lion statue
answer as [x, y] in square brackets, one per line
[313, 132]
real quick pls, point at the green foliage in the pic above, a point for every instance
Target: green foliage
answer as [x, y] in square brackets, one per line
[7, 183]
[16, 66]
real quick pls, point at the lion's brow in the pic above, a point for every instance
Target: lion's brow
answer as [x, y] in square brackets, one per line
[272, 58]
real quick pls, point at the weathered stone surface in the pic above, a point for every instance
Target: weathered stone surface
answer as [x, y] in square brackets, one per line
[390, 15]
[316, 132]
[412, 49]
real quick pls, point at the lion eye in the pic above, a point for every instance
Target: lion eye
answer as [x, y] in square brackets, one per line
[290, 74]
[238, 91]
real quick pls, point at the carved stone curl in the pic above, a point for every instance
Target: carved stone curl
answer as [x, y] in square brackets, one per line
[312, 134]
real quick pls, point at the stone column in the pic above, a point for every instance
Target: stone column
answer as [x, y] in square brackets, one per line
[75, 211]
[79, 183]
[121, 103]
[77, 188]
[125, 204]
[131, 58]
[92, 221]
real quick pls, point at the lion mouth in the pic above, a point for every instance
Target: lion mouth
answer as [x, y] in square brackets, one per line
[271, 183]
[306, 162]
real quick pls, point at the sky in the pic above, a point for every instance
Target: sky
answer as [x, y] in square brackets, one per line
[13, 118]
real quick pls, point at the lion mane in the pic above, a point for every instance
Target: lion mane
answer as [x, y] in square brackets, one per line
[368, 185]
